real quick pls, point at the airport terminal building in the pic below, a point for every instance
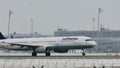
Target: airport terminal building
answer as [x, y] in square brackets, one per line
[93, 34]
[108, 40]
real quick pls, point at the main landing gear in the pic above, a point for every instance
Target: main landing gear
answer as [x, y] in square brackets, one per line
[47, 52]
[34, 53]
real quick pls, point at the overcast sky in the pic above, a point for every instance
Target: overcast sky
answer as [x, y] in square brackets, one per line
[48, 15]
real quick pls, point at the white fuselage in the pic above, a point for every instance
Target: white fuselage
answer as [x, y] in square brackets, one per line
[63, 42]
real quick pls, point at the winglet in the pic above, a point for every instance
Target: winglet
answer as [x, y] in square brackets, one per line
[1, 36]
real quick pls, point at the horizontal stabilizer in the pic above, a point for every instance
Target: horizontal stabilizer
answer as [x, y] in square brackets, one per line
[1, 36]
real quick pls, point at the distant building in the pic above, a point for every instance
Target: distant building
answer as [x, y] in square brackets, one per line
[93, 34]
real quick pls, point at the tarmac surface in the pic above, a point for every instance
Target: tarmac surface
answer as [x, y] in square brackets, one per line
[57, 60]
[62, 56]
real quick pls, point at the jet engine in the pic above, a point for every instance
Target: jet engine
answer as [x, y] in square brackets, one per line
[40, 49]
[60, 50]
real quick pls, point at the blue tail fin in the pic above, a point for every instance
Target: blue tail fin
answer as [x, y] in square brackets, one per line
[1, 36]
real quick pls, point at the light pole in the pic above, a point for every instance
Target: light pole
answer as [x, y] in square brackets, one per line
[93, 19]
[98, 25]
[31, 20]
[10, 13]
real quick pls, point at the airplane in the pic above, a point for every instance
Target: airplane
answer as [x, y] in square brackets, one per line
[47, 44]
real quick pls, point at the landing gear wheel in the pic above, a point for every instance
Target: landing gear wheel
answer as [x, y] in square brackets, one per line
[34, 54]
[83, 53]
[47, 53]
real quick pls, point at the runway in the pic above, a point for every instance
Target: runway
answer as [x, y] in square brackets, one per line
[62, 56]
[21, 60]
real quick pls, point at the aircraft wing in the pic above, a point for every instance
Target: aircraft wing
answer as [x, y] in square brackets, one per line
[28, 44]
[20, 44]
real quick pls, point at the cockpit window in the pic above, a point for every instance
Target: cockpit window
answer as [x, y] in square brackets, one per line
[88, 40]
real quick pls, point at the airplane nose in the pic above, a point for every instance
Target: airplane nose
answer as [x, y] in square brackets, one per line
[94, 43]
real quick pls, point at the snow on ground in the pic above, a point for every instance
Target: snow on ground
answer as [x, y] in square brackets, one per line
[58, 63]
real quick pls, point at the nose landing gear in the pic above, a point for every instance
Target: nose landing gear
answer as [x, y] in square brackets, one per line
[83, 53]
